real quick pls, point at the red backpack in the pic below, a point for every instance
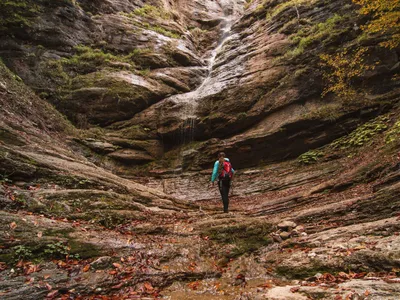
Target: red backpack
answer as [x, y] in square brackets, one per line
[226, 171]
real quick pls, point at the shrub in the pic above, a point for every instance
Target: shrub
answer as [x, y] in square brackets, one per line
[152, 11]
[393, 135]
[362, 135]
[22, 252]
[343, 69]
[17, 14]
[310, 157]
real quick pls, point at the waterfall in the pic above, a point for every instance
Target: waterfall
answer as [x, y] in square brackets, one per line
[231, 9]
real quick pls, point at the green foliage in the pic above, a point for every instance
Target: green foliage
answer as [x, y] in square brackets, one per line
[148, 26]
[58, 250]
[144, 72]
[152, 12]
[17, 14]
[248, 3]
[88, 59]
[161, 30]
[4, 178]
[246, 238]
[287, 4]
[241, 116]
[111, 220]
[385, 19]
[21, 252]
[54, 69]
[20, 199]
[393, 135]
[343, 69]
[316, 33]
[362, 135]
[385, 22]
[331, 112]
[310, 157]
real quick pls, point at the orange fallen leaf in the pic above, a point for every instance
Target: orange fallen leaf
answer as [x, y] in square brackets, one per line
[117, 265]
[148, 286]
[52, 294]
[295, 289]
[266, 285]
[86, 268]
[13, 225]
[118, 286]
[29, 280]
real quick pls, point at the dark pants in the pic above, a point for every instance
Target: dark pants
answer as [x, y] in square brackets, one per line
[224, 186]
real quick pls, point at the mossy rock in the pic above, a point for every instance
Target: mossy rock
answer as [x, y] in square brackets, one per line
[246, 238]
[304, 272]
[84, 250]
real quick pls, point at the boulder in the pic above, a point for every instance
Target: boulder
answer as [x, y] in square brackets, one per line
[287, 225]
[284, 235]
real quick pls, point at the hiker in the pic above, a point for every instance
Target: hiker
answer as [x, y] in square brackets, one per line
[224, 172]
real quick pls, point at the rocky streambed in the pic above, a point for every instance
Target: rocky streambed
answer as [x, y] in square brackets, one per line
[304, 240]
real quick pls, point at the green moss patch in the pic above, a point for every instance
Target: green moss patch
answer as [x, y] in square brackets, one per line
[317, 33]
[152, 12]
[305, 271]
[245, 238]
[363, 134]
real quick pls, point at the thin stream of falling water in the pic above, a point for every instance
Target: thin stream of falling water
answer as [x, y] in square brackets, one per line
[231, 9]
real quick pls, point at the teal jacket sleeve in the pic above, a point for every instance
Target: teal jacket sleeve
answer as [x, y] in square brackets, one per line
[215, 171]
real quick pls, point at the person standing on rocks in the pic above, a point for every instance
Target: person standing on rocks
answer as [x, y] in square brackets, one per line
[223, 171]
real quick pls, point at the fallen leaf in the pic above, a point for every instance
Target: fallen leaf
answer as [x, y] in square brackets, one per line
[344, 275]
[40, 234]
[266, 285]
[48, 286]
[86, 268]
[117, 265]
[118, 286]
[29, 280]
[194, 285]
[148, 286]
[13, 225]
[295, 289]
[392, 280]
[52, 294]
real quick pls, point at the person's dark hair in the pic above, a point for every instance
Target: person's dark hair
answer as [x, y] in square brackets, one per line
[221, 159]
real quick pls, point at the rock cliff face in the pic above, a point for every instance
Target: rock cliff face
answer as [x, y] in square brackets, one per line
[221, 74]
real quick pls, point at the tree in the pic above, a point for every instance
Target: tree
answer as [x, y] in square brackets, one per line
[344, 68]
[345, 65]
[385, 19]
